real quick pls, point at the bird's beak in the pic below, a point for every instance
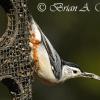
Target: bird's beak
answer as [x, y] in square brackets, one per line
[90, 75]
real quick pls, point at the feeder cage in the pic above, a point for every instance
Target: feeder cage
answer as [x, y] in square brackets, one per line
[15, 62]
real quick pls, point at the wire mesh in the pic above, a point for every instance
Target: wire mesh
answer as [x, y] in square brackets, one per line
[15, 62]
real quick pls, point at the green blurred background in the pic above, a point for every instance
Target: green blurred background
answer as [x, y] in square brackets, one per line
[76, 37]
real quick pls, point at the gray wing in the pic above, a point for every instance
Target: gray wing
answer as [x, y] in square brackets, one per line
[53, 56]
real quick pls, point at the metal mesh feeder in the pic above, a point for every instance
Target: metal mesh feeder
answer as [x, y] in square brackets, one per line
[15, 62]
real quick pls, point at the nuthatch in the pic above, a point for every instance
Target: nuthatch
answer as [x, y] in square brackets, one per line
[48, 64]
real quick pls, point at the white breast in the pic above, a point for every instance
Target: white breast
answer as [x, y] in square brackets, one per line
[44, 65]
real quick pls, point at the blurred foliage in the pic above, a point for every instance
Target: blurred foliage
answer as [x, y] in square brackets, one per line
[76, 37]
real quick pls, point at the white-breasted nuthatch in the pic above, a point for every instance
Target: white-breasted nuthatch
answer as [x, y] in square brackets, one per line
[48, 64]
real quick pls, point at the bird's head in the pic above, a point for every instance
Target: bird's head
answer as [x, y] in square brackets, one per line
[71, 70]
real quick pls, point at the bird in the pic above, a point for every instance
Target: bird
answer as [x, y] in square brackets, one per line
[49, 66]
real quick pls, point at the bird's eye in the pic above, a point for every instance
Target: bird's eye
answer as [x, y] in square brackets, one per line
[74, 71]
